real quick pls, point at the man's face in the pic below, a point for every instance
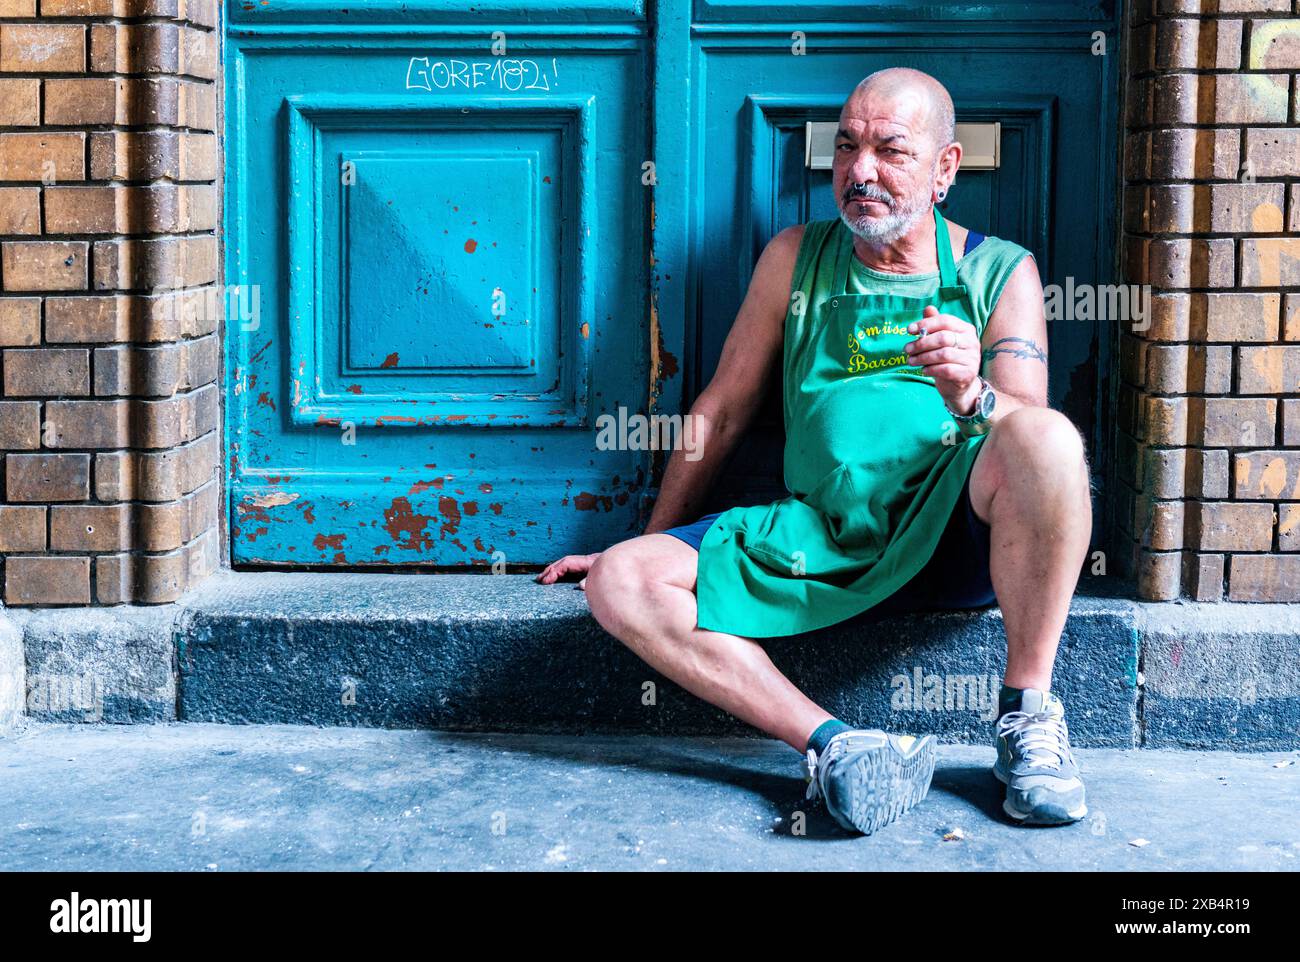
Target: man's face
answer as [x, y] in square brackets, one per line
[885, 164]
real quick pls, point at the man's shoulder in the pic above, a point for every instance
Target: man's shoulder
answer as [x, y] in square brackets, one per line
[788, 240]
[992, 245]
[987, 270]
[783, 251]
[992, 256]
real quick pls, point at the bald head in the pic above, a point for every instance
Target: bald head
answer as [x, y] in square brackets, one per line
[895, 153]
[905, 84]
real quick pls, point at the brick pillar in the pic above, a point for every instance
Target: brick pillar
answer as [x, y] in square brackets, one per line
[1209, 417]
[108, 216]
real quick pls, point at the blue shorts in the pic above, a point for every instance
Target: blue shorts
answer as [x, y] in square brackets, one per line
[956, 576]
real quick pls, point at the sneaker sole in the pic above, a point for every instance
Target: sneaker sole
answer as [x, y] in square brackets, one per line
[886, 785]
[1029, 818]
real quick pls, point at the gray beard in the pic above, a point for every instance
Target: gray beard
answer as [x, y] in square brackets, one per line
[885, 230]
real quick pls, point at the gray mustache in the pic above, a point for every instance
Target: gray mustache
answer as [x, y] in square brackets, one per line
[870, 193]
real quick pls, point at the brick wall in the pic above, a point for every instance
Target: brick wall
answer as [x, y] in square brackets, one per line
[108, 358]
[1209, 410]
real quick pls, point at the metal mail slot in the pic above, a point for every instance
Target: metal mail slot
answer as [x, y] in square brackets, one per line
[980, 143]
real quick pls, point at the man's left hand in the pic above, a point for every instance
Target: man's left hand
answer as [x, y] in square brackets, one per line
[950, 352]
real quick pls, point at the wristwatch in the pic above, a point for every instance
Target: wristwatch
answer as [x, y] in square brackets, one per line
[977, 422]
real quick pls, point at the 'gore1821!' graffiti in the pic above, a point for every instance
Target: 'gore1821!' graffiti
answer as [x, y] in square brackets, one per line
[501, 73]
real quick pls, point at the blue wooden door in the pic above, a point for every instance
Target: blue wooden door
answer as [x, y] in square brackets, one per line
[441, 215]
[477, 233]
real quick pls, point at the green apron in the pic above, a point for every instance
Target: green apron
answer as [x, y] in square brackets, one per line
[874, 462]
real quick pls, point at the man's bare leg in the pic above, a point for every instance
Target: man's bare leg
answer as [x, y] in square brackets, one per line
[1030, 485]
[642, 591]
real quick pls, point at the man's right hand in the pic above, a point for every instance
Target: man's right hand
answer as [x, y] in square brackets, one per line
[570, 564]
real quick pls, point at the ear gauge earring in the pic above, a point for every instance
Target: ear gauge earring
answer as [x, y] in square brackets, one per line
[942, 194]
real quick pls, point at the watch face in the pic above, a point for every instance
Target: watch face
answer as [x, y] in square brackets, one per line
[986, 400]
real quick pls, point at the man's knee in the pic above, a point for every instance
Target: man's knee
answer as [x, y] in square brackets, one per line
[623, 578]
[1039, 441]
[613, 568]
[616, 578]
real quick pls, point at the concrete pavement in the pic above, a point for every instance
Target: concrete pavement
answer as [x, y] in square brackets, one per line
[207, 797]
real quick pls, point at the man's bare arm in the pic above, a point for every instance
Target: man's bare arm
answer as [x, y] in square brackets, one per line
[1015, 343]
[727, 406]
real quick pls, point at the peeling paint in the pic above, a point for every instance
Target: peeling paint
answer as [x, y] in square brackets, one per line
[408, 530]
[448, 508]
[273, 500]
[1288, 521]
[1273, 480]
[586, 501]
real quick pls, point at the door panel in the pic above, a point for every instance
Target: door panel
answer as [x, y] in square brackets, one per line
[426, 297]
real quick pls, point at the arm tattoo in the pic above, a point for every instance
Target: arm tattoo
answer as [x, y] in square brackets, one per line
[1017, 347]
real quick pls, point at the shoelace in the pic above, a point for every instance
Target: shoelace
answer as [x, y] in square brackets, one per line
[1043, 739]
[810, 762]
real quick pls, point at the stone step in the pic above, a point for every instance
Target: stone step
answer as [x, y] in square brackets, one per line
[503, 653]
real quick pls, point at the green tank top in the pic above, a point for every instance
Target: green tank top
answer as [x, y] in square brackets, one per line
[873, 461]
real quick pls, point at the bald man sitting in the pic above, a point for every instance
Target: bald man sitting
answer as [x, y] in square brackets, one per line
[924, 467]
